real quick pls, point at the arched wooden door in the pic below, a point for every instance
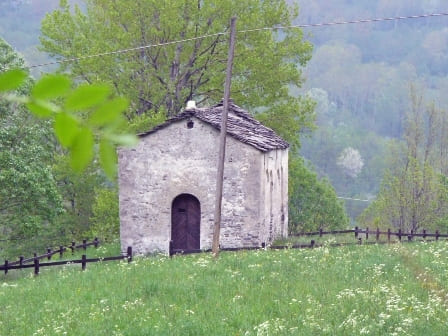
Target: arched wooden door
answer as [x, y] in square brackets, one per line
[186, 222]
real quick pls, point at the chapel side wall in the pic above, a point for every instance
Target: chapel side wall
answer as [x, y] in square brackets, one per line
[176, 160]
[285, 193]
[241, 212]
[274, 195]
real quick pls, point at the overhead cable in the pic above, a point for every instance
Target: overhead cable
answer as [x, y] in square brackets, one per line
[121, 51]
[323, 24]
[353, 199]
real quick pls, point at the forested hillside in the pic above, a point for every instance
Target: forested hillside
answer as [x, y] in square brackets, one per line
[360, 75]
[20, 26]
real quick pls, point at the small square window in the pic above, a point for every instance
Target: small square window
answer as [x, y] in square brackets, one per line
[190, 124]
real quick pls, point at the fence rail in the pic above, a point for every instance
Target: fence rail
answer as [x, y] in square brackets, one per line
[83, 261]
[60, 251]
[358, 233]
[23, 263]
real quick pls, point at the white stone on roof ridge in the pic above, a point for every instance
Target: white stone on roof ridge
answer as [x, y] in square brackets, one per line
[240, 125]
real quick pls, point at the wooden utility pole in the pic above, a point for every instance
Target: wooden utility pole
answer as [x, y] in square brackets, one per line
[222, 141]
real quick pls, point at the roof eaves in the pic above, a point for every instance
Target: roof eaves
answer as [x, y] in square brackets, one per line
[186, 114]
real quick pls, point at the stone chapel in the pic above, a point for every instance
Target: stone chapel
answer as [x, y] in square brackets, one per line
[167, 183]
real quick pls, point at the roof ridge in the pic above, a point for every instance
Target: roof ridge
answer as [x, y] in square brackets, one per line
[241, 125]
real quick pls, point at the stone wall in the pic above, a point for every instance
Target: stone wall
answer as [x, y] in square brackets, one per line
[178, 159]
[274, 195]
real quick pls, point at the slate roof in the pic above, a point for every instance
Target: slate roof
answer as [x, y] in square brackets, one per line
[240, 125]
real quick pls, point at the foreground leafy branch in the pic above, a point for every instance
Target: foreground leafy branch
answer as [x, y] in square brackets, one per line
[84, 117]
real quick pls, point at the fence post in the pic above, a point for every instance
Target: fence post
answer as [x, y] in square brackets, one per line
[6, 266]
[356, 232]
[367, 233]
[312, 243]
[437, 234]
[377, 234]
[411, 235]
[73, 247]
[21, 260]
[263, 245]
[320, 232]
[36, 266]
[61, 251]
[359, 241]
[84, 244]
[388, 235]
[95, 242]
[49, 253]
[399, 234]
[129, 254]
[424, 233]
[170, 248]
[83, 262]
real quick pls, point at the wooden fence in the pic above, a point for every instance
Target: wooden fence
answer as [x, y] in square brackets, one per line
[377, 233]
[61, 250]
[83, 261]
[35, 261]
[358, 234]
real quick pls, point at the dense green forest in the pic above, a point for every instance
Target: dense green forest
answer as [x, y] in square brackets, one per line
[361, 75]
[20, 27]
[377, 87]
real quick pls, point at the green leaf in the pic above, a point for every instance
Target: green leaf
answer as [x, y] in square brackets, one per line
[124, 139]
[12, 79]
[117, 125]
[109, 111]
[66, 128]
[108, 158]
[81, 152]
[87, 96]
[41, 108]
[51, 86]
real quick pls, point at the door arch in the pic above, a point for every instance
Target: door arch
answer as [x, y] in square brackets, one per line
[186, 222]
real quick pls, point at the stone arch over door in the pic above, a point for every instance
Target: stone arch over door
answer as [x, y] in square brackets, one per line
[186, 222]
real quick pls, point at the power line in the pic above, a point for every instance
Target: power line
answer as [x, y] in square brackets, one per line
[353, 199]
[322, 24]
[124, 50]
[395, 18]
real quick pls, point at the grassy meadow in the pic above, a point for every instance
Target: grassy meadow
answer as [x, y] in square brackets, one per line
[399, 289]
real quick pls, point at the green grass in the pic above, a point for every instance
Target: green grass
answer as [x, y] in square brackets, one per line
[354, 290]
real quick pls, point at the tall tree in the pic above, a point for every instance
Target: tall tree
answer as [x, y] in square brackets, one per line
[312, 202]
[161, 79]
[36, 187]
[79, 194]
[414, 192]
[29, 198]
